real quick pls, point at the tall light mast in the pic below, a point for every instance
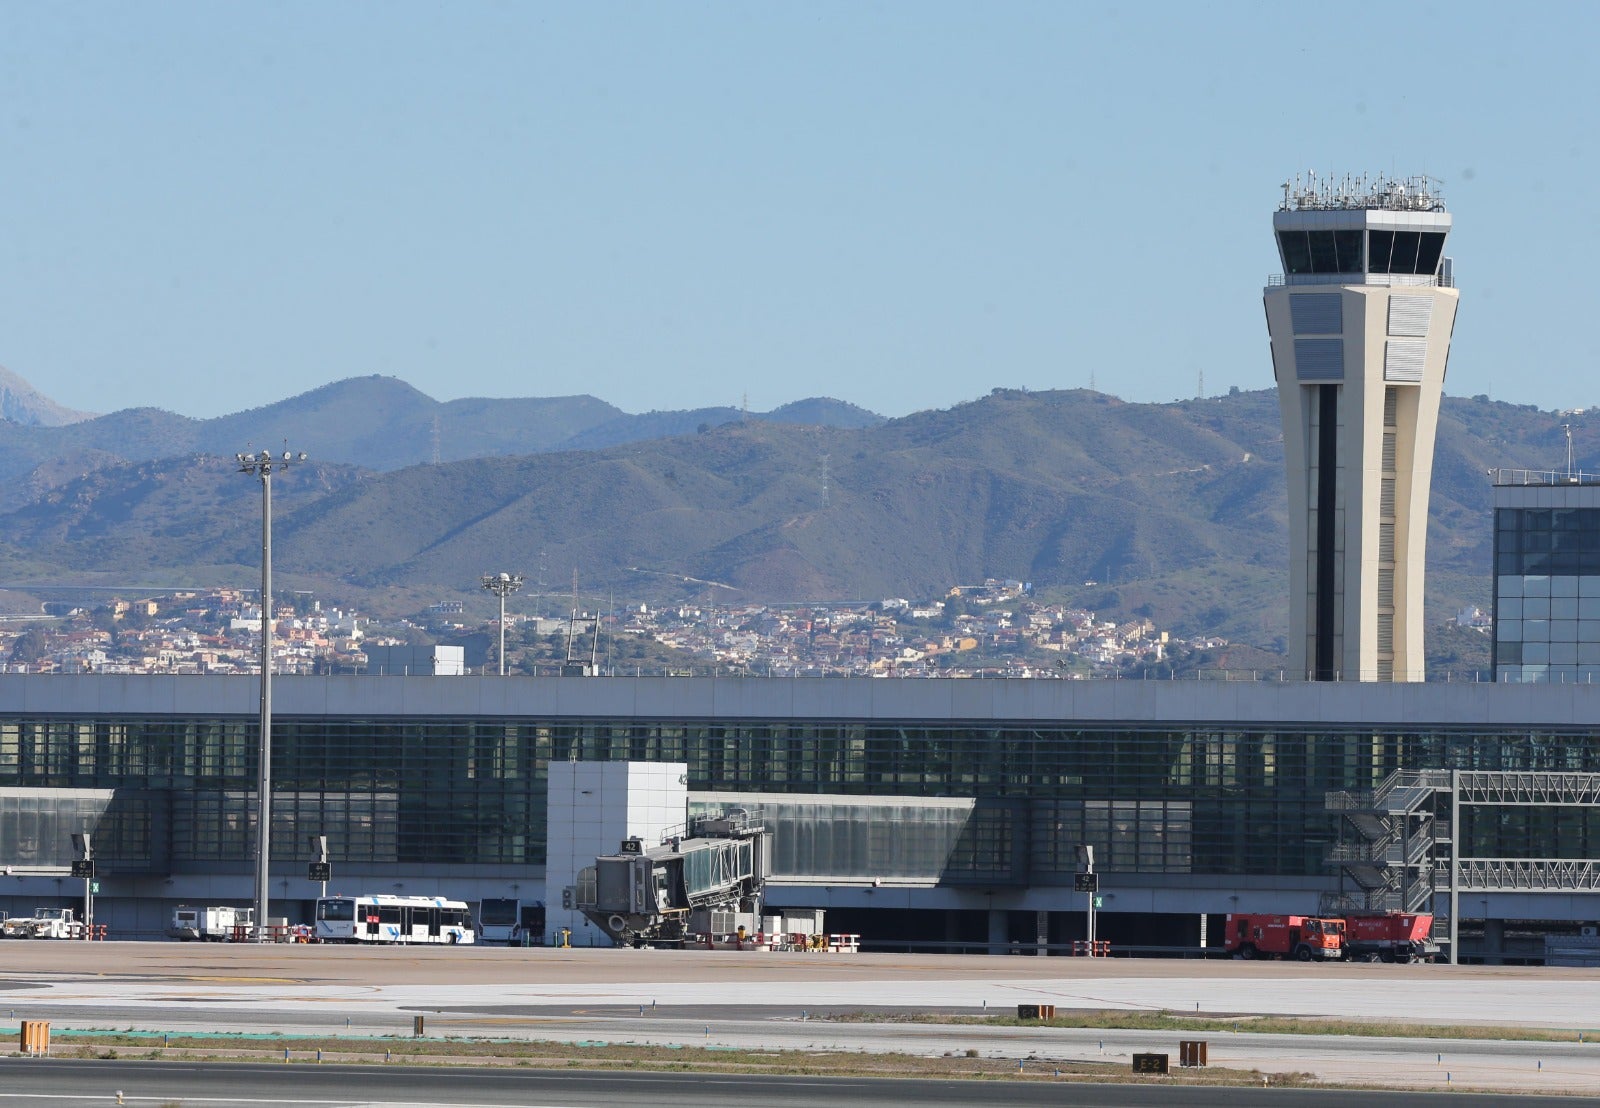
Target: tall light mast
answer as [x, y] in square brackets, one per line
[502, 585]
[261, 465]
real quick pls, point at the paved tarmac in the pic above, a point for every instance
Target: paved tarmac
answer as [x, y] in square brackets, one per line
[775, 1001]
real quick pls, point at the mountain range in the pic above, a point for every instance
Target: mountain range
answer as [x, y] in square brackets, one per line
[1176, 511]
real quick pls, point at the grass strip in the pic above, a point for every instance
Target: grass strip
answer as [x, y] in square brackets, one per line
[1119, 1020]
[965, 1065]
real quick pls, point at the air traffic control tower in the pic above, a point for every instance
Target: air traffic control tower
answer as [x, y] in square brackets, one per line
[1360, 323]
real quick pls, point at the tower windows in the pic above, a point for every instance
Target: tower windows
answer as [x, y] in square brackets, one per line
[1341, 251]
[1321, 251]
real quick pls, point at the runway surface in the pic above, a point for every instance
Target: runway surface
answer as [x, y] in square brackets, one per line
[777, 1001]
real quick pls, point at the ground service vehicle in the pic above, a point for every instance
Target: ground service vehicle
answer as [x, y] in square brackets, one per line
[211, 924]
[377, 918]
[45, 923]
[511, 921]
[1389, 937]
[1305, 938]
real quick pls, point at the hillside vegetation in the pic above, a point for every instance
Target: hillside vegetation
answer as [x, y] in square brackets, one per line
[1176, 511]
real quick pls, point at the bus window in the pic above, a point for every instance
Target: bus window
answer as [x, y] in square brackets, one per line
[336, 911]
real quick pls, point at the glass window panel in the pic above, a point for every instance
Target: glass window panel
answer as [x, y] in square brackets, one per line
[1536, 607]
[1379, 246]
[1296, 251]
[1564, 653]
[1347, 245]
[1563, 630]
[1534, 584]
[1324, 259]
[1564, 607]
[1508, 630]
[1536, 630]
[1565, 585]
[1429, 250]
[1538, 652]
[1404, 258]
[1510, 608]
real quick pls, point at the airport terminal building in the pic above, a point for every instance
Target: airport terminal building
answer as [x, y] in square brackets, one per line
[912, 810]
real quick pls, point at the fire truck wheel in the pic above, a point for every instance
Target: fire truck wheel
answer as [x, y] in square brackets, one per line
[1303, 953]
[1247, 952]
[1374, 958]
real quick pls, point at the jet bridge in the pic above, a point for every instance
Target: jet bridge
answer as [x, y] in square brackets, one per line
[661, 895]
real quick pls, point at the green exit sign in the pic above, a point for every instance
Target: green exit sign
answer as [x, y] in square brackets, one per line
[94, 888]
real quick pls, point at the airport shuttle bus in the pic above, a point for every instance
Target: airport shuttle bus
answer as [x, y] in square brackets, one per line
[393, 919]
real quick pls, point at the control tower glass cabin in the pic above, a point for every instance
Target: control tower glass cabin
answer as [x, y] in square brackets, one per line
[1360, 323]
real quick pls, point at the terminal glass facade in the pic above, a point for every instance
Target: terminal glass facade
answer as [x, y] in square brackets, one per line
[174, 794]
[1547, 591]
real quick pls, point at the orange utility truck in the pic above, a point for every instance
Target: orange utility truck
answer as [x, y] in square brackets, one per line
[1389, 937]
[1304, 938]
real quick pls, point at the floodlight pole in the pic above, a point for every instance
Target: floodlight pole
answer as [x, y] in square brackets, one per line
[502, 585]
[261, 465]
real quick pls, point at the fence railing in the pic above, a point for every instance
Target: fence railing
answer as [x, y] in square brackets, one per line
[1543, 477]
[1389, 280]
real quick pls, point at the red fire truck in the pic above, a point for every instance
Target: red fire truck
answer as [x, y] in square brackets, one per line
[1306, 938]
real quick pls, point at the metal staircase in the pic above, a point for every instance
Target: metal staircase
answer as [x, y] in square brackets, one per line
[1389, 839]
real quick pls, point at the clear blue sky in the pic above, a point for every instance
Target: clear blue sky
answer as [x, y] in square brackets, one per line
[209, 207]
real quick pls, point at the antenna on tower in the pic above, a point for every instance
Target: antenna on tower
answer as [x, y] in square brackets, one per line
[1567, 427]
[1202, 393]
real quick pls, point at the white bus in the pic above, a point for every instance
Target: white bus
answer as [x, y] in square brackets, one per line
[378, 918]
[511, 921]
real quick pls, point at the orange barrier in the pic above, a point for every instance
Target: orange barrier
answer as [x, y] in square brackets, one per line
[36, 1036]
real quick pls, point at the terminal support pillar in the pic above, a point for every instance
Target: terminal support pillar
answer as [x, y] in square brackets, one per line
[999, 930]
[1494, 942]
